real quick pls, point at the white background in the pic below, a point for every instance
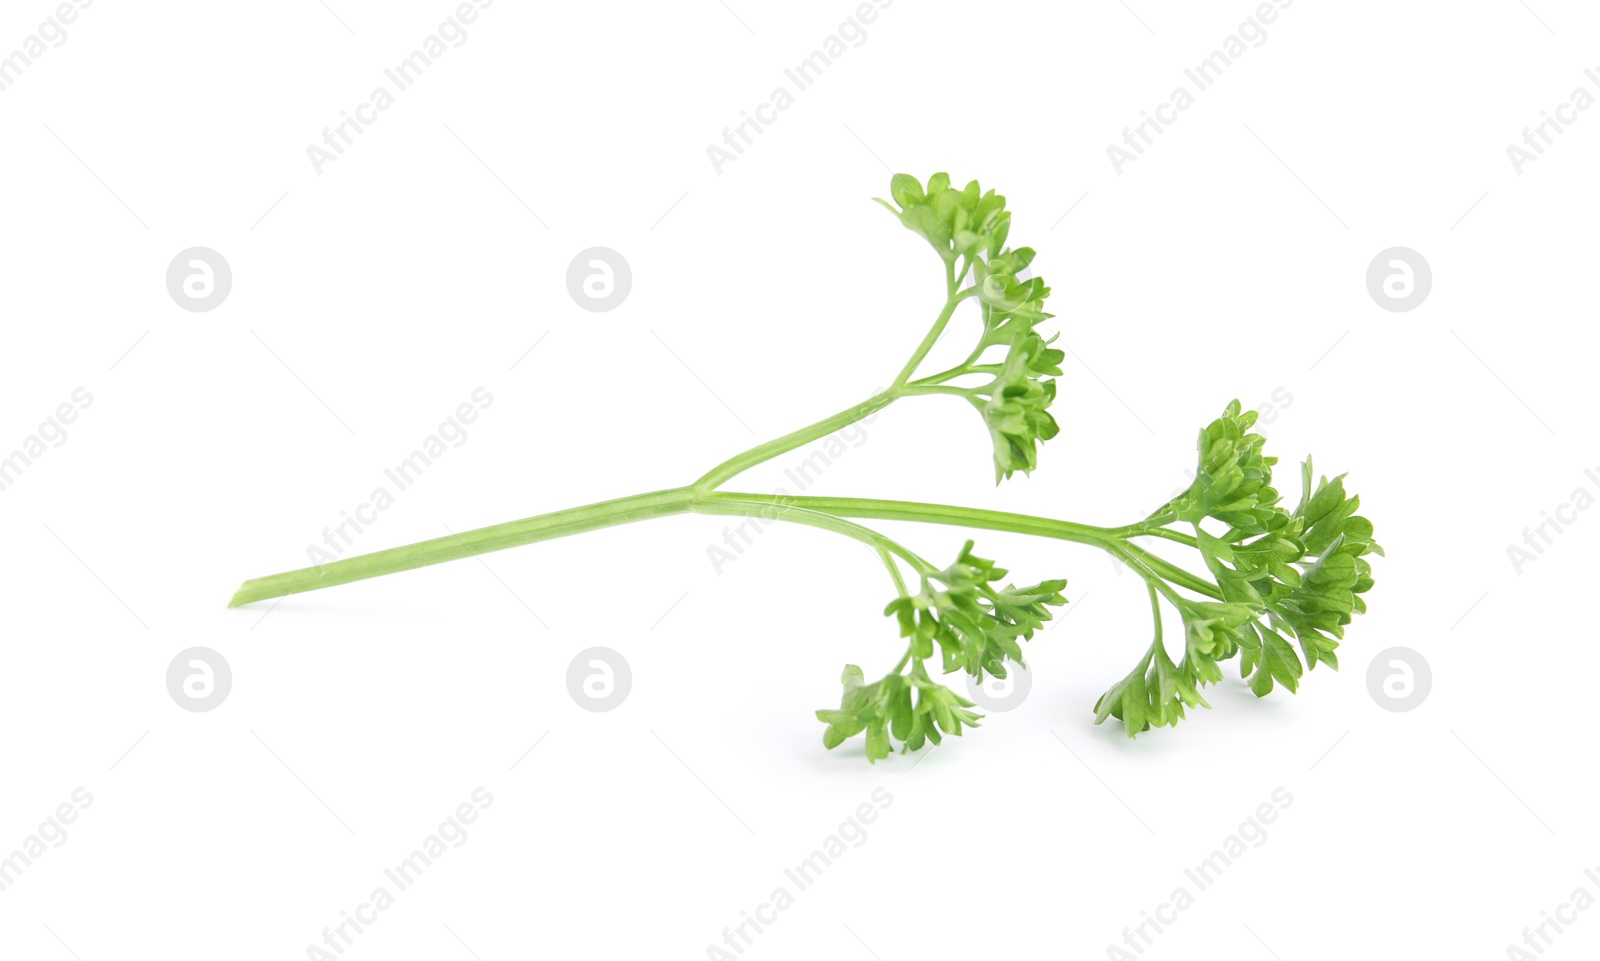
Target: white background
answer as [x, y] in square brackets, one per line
[1228, 261]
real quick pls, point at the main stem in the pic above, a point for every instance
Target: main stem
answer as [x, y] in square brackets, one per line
[577, 520]
[824, 512]
[702, 497]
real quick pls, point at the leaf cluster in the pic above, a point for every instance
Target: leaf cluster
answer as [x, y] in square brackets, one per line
[1285, 577]
[971, 225]
[975, 626]
[910, 708]
[1016, 405]
[956, 223]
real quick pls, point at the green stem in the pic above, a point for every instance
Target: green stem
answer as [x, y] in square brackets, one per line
[1100, 537]
[913, 390]
[777, 508]
[954, 372]
[951, 303]
[1166, 533]
[739, 463]
[1155, 611]
[892, 510]
[894, 571]
[1142, 568]
[1213, 563]
[825, 512]
[1172, 572]
[577, 520]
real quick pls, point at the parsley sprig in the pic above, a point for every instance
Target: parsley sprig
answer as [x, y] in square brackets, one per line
[1273, 586]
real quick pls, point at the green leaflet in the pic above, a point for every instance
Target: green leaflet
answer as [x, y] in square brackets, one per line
[974, 625]
[909, 708]
[1011, 303]
[1154, 694]
[1016, 409]
[957, 223]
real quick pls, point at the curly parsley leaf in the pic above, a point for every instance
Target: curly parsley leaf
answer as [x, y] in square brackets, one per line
[974, 624]
[1281, 577]
[1017, 402]
[909, 708]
